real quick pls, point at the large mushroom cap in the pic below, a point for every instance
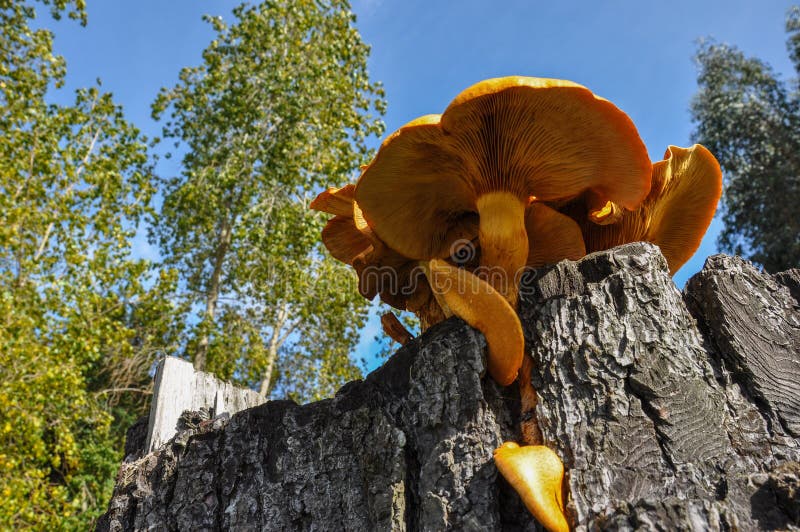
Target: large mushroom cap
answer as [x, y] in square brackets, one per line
[381, 270]
[526, 136]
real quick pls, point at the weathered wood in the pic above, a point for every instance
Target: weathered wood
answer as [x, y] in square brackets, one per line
[642, 407]
[179, 387]
[791, 280]
[661, 425]
[386, 453]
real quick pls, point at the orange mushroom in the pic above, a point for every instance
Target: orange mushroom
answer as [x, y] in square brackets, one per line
[336, 201]
[537, 474]
[497, 145]
[499, 142]
[686, 187]
[394, 329]
[552, 236]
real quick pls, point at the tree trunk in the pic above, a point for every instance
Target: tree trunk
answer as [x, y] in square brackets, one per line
[669, 411]
[212, 290]
[275, 343]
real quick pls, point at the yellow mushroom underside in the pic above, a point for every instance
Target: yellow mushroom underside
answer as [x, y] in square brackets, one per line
[552, 236]
[536, 473]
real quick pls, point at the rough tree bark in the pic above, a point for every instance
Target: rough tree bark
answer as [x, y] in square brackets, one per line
[670, 411]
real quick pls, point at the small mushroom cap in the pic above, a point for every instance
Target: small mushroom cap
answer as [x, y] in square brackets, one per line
[343, 237]
[686, 187]
[552, 236]
[536, 473]
[398, 280]
[382, 271]
[528, 136]
[476, 302]
[337, 201]
[394, 329]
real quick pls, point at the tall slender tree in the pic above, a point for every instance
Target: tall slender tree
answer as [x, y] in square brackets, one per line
[750, 119]
[281, 105]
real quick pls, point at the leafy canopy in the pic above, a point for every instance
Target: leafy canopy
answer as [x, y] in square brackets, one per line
[281, 106]
[74, 181]
[750, 119]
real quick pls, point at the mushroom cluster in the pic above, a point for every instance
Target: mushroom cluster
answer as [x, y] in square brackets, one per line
[517, 173]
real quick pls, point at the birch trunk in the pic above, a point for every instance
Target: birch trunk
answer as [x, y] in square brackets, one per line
[212, 291]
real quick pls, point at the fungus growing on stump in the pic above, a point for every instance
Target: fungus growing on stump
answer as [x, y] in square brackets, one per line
[498, 143]
[525, 172]
[552, 236]
[480, 305]
[380, 270]
[537, 474]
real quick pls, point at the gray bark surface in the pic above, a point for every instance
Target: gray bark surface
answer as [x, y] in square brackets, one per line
[670, 411]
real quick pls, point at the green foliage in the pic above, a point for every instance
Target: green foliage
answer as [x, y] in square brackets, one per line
[750, 119]
[74, 181]
[281, 106]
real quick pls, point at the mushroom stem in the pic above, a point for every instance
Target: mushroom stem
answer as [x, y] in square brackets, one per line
[503, 240]
[529, 425]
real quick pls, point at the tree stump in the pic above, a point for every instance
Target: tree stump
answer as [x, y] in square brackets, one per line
[670, 411]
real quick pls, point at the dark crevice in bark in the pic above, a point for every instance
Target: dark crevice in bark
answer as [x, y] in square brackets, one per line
[219, 487]
[738, 374]
[751, 320]
[411, 488]
[749, 390]
[791, 280]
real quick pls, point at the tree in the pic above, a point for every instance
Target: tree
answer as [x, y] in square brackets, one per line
[750, 119]
[281, 106]
[74, 181]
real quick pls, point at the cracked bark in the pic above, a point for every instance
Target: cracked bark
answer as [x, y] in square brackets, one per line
[670, 411]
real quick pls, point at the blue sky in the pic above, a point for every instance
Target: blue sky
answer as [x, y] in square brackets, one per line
[636, 53]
